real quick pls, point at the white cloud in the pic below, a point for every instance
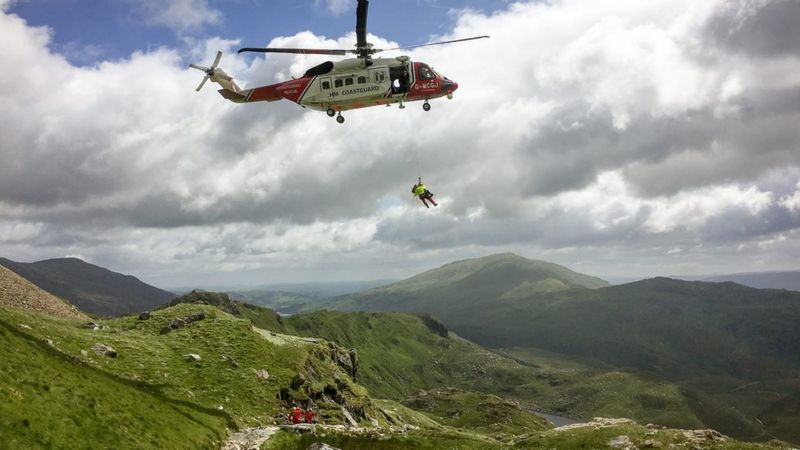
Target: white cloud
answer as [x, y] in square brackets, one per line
[792, 202]
[582, 130]
[335, 7]
[179, 15]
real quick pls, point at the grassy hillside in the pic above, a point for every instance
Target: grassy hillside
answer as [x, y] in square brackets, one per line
[400, 354]
[488, 414]
[152, 390]
[91, 288]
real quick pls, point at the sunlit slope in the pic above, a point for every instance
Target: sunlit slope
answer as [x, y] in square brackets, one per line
[401, 353]
[53, 383]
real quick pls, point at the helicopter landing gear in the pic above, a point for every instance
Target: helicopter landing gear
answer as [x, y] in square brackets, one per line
[330, 112]
[426, 106]
[450, 96]
[340, 118]
[402, 106]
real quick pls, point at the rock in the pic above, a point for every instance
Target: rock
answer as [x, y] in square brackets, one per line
[24, 327]
[92, 326]
[180, 323]
[104, 350]
[144, 316]
[49, 342]
[354, 362]
[320, 446]
[194, 357]
[298, 381]
[348, 418]
[622, 442]
[84, 353]
[650, 443]
[230, 361]
[261, 373]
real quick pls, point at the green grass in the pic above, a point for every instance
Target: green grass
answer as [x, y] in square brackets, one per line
[399, 354]
[152, 384]
[418, 439]
[477, 412]
[596, 438]
[49, 400]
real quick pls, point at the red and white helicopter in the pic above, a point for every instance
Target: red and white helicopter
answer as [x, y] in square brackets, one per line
[353, 83]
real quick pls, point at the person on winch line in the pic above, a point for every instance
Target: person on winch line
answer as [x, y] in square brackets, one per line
[423, 193]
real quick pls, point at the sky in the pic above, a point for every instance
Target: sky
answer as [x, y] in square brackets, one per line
[621, 138]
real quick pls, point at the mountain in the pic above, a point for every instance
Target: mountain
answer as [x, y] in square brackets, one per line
[762, 280]
[734, 351]
[91, 288]
[20, 293]
[468, 287]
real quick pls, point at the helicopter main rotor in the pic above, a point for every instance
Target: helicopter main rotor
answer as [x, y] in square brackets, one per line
[363, 50]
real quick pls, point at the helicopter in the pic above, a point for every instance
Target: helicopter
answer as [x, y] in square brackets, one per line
[352, 83]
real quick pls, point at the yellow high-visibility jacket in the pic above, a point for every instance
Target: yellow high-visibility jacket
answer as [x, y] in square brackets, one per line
[421, 189]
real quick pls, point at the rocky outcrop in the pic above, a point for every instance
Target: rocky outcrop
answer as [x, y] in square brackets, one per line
[182, 322]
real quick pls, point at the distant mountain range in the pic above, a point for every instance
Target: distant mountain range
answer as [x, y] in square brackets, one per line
[91, 288]
[762, 280]
[700, 334]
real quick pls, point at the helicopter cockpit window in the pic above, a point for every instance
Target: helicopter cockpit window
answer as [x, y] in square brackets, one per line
[362, 80]
[348, 81]
[425, 73]
[338, 83]
[326, 85]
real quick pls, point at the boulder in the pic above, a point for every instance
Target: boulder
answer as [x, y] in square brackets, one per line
[144, 316]
[194, 357]
[298, 381]
[261, 373]
[104, 350]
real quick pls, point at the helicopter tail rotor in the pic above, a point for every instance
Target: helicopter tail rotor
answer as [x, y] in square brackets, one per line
[216, 75]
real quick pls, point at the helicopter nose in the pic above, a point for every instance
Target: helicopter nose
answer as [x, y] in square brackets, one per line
[448, 86]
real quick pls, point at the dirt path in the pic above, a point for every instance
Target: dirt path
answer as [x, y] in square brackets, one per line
[251, 438]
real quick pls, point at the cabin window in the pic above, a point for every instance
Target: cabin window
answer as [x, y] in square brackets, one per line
[338, 83]
[380, 77]
[326, 85]
[425, 73]
[362, 80]
[348, 81]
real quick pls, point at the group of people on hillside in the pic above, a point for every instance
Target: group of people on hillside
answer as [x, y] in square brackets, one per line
[298, 416]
